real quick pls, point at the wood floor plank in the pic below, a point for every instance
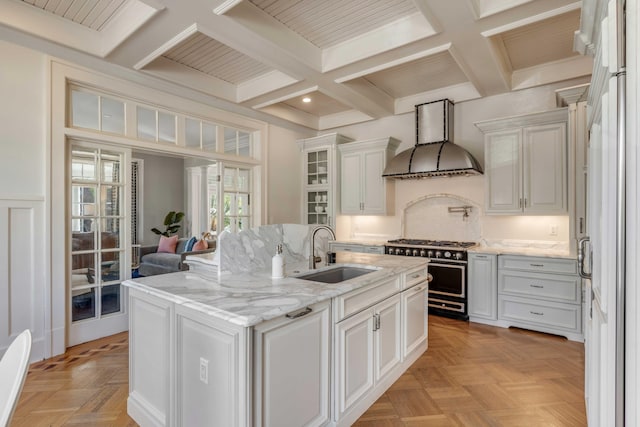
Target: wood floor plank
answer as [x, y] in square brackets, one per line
[472, 375]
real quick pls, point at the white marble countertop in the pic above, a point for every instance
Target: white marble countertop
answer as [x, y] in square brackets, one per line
[250, 298]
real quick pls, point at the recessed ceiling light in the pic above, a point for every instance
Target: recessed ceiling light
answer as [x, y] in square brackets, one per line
[306, 99]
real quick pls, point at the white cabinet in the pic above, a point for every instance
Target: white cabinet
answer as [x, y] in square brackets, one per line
[381, 330]
[321, 171]
[292, 371]
[542, 294]
[356, 247]
[363, 189]
[368, 348]
[482, 273]
[526, 163]
[414, 319]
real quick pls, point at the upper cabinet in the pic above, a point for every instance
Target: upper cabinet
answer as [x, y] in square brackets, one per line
[363, 189]
[526, 163]
[321, 171]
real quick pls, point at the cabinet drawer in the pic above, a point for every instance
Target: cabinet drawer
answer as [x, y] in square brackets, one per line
[359, 299]
[414, 277]
[541, 264]
[546, 315]
[539, 285]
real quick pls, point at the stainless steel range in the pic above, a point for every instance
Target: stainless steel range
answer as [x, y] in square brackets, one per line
[448, 266]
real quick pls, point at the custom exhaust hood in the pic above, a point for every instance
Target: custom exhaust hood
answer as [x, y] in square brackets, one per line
[434, 154]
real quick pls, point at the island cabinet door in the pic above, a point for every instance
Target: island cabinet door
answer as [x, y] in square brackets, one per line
[291, 369]
[354, 359]
[414, 318]
[387, 338]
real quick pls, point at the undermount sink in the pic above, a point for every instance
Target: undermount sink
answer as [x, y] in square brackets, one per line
[337, 274]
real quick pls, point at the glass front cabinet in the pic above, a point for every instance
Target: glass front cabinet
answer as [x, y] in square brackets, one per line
[321, 171]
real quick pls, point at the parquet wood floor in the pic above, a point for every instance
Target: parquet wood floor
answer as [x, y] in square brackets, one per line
[472, 375]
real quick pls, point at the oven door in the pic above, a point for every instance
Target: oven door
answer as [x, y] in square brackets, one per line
[448, 279]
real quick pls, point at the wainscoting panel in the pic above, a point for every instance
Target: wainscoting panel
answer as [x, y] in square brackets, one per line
[22, 275]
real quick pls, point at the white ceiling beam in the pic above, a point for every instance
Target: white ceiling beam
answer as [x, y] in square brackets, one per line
[226, 6]
[263, 84]
[564, 69]
[391, 36]
[345, 118]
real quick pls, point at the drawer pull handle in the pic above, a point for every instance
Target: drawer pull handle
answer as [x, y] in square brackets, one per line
[537, 313]
[537, 286]
[299, 313]
[418, 289]
[481, 256]
[537, 265]
[415, 276]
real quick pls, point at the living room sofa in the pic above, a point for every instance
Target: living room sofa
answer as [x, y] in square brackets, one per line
[153, 262]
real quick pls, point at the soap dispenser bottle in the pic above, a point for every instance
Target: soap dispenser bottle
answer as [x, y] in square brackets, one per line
[277, 264]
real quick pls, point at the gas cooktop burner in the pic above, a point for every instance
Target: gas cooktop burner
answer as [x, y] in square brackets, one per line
[420, 242]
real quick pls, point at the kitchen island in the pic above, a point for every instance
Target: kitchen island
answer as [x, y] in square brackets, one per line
[245, 349]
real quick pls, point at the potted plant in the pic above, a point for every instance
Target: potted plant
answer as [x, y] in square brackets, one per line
[171, 223]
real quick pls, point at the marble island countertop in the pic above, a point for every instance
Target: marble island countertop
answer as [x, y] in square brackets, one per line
[247, 299]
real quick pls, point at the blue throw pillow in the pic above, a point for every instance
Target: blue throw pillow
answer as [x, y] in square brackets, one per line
[189, 246]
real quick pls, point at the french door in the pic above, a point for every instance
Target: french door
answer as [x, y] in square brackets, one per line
[99, 239]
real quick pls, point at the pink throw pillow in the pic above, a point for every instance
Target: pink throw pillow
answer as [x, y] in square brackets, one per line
[168, 244]
[200, 245]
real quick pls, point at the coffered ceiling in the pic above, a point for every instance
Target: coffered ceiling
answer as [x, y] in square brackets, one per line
[357, 60]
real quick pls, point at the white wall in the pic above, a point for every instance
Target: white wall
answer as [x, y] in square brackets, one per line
[23, 179]
[467, 135]
[284, 176]
[164, 184]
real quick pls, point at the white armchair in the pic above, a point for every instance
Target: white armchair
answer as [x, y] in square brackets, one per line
[13, 371]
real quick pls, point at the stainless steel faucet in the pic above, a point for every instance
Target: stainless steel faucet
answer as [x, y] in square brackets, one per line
[312, 258]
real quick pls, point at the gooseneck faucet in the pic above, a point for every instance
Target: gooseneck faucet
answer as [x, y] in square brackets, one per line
[312, 258]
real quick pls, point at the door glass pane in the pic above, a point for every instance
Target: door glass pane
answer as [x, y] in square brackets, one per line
[110, 299]
[146, 123]
[243, 204]
[229, 178]
[110, 233]
[112, 116]
[110, 167]
[192, 133]
[110, 200]
[166, 127]
[85, 111]
[243, 180]
[83, 166]
[83, 304]
[109, 266]
[83, 202]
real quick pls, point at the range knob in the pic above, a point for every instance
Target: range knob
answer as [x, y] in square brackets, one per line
[447, 254]
[458, 255]
[438, 254]
[423, 252]
[414, 252]
[407, 252]
[398, 251]
[430, 254]
[390, 251]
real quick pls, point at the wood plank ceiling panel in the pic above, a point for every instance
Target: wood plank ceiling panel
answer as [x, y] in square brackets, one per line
[216, 59]
[327, 23]
[542, 42]
[419, 76]
[94, 14]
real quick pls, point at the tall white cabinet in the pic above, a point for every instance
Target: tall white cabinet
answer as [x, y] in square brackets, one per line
[321, 172]
[526, 163]
[363, 189]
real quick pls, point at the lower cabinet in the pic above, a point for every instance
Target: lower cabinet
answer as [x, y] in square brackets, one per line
[374, 346]
[292, 369]
[542, 294]
[368, 348]
[482, 287]
[356, 247]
